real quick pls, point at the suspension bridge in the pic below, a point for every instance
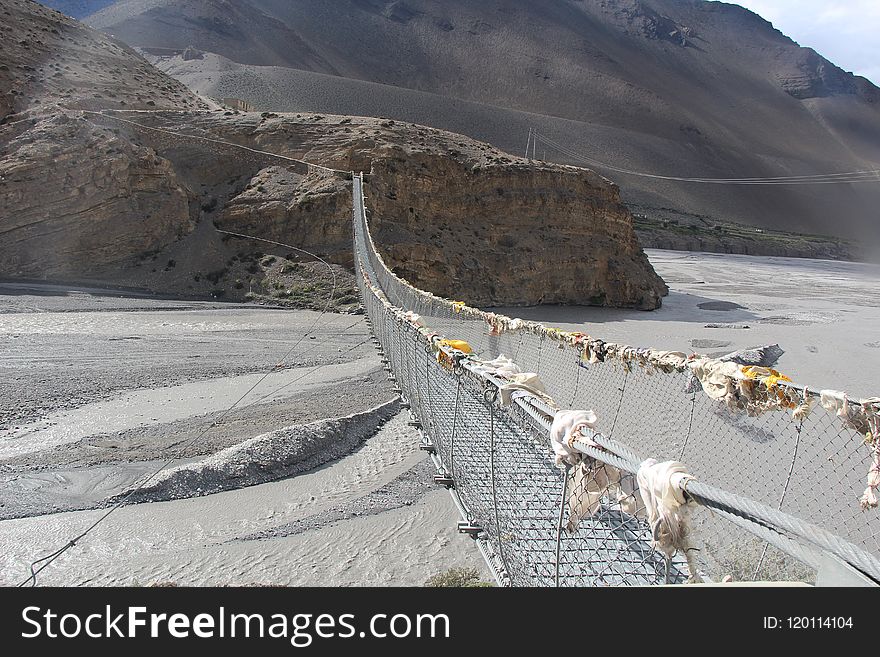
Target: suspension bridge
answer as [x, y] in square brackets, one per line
[766, 479]
[775, 470]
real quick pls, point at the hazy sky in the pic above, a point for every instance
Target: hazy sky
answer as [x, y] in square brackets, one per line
[845, 31]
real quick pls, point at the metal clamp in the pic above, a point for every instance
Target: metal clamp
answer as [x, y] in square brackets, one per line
[470, 528]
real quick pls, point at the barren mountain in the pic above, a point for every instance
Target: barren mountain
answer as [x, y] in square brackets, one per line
[47, 58]
[680, 87]
[77, 8]
[111, 171]
[73, 195]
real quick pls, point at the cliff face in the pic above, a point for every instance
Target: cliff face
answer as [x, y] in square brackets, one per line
[88, 196]
[736, 238]
[513, 234]
[309, 211]
[75, 197]
[451, 215]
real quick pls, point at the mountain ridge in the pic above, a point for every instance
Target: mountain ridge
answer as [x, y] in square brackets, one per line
[678, 87]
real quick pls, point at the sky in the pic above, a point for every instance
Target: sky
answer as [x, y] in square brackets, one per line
[845, 31]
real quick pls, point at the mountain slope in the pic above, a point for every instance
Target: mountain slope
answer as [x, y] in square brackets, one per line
[77, 8]
[111, 171]
[75, 196]
[47, 58]
[681, 87]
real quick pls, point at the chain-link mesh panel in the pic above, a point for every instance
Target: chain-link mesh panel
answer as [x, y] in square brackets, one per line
[545, 525]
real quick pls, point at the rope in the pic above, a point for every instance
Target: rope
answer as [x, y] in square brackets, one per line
[620, 401]
[51, 558]
[687, 436]
[577, 382]
[492, 397]
[799, 429]
[454, 427]
[560, 520]
[309, 372]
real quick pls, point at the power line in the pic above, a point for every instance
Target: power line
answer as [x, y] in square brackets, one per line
[213, 141]
[853, 176]
[297, 380]
[46, 561]
[870, 176]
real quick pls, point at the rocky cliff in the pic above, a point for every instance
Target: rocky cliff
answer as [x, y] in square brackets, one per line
[75, 196]
[452, 215]
[133, 196]
[508, 234]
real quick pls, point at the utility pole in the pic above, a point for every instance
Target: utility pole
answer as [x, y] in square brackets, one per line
[528, 143]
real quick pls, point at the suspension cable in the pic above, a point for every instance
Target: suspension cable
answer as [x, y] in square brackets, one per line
[869, 175]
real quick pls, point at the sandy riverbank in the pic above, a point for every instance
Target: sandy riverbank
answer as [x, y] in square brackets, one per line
[99, 390]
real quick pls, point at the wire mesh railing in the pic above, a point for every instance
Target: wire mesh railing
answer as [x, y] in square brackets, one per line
[779, 471]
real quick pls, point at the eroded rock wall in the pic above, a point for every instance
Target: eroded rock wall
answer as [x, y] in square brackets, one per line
[519, 234]
[75, 197]
[454, 216]
[311, 211]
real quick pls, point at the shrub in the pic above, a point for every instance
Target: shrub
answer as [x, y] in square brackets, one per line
[215, 276]
[458, 578]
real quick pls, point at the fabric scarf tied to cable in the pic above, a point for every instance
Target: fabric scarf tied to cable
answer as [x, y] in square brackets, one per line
[591, 479]
[751, 388]
[528, 383]
[502, 367]
[459, 345]
[566, 428]
[414, 319]
[661, 486]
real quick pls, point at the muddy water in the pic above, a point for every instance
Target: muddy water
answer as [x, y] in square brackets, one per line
[143, 408]
[98, 391]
